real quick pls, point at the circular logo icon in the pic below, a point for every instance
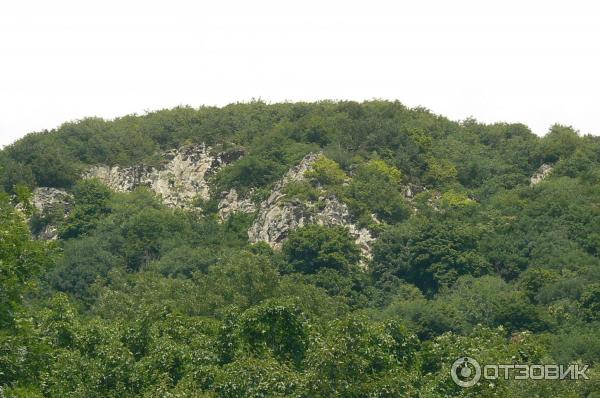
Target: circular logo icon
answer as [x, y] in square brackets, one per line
[465, 372]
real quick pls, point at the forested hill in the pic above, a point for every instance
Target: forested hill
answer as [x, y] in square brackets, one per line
[299, 249]
[425, 147]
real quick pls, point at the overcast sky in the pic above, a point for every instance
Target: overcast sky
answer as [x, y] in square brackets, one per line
[536, 62]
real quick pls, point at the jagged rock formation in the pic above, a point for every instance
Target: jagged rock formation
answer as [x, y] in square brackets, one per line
[541, 174]
[48, 203]
[182, 177]
[45, 198]
[230, 203]
[278, 216]
[178, 180]
[337, 213]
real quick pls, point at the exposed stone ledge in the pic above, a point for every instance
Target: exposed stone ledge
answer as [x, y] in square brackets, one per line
[541, 173]
[46, 200]
[230, 203]
[181, 177]
[277, 218]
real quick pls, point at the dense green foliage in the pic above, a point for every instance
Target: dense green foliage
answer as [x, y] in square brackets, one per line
[136, 299]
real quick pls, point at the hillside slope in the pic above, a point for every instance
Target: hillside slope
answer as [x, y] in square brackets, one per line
[298, 249]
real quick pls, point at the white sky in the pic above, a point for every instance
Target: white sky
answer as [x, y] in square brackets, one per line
[536, 62]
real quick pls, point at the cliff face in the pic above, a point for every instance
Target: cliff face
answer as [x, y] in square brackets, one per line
[49, 201]
[277, 217]
[181, 178]
[539, 176]
[183, 175]
[230, 203]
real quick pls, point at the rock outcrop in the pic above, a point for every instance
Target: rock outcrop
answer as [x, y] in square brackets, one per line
[230, 203]
[180, 178]
[337, 213]
[50, 203]
[541, 174]
[278, 215]
[44, 198]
